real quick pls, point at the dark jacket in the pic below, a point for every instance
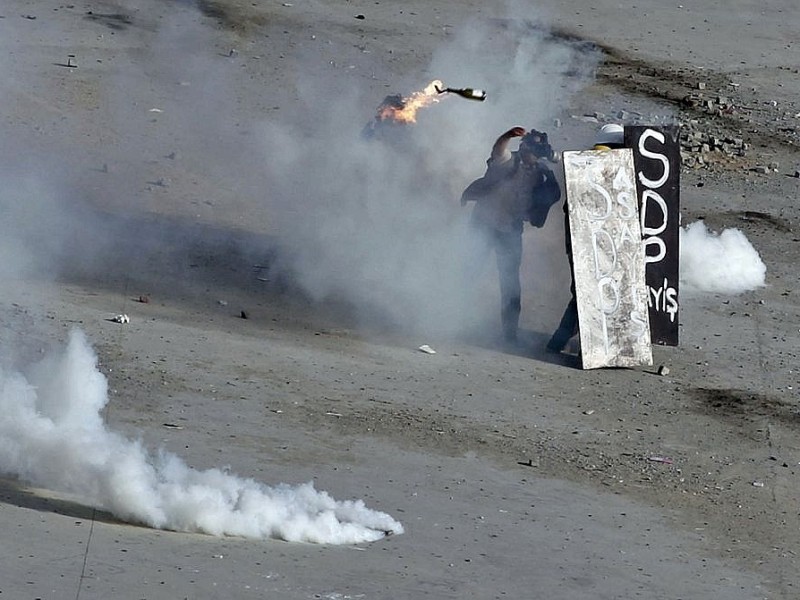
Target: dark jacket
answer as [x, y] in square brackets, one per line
[511, 192]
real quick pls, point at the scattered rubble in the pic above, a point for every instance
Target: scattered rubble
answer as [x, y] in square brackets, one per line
[700, 148]
[722, 122]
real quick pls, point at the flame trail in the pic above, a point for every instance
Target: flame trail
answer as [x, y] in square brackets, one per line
[404, 110]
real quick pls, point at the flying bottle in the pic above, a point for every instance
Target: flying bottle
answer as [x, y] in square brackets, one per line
[468, 93]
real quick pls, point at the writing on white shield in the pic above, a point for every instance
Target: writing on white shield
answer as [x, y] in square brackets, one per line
[608, 243]
[608, 259]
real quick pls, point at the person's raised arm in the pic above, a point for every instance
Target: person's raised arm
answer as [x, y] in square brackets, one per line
[500, 151]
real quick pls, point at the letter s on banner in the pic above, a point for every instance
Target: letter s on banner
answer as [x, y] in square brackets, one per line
[651, 183]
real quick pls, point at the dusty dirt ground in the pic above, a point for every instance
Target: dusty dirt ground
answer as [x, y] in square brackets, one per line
[299, 390]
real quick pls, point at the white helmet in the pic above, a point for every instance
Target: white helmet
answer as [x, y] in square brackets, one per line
[610, 135]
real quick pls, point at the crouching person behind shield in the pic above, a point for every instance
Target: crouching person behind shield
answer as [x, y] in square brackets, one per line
[609, 137]
[518, 186]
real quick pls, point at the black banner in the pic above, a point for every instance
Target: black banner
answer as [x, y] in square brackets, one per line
[657, 161]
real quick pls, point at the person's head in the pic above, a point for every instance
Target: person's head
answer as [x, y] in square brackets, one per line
[534, 145]
[610, 136]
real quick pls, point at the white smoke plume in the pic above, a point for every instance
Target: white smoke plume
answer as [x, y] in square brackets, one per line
[724, 263]
[377, 221]
[374, 222]
[52, 435]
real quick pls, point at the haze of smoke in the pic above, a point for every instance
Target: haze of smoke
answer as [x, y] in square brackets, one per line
[78, 193]
[52, 435]
[374, 222]
[378, 222]
[724, 263]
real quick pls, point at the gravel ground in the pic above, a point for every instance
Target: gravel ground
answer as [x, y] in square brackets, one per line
[138, 144]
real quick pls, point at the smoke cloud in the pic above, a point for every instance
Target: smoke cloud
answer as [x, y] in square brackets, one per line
[105, 168]
[377, 221]
[372, 221]
[724, 263]
[52, 435]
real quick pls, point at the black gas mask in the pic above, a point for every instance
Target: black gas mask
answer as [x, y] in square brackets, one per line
[536, 143]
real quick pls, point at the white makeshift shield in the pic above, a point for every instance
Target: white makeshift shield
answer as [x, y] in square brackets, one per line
[608, 258]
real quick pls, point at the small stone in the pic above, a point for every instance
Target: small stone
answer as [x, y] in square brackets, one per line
[663, 370]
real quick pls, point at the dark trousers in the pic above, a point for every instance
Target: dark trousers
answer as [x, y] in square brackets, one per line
[508, 249]
[566, 329]
[569, 320]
